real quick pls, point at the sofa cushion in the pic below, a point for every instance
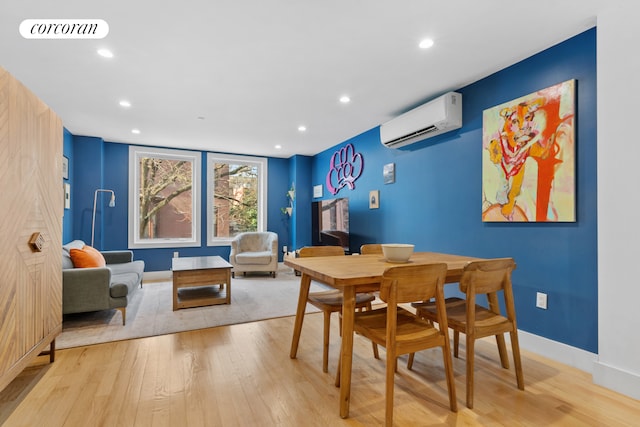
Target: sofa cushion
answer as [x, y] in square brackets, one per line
[122, 284]
[260, 258]
[136, 267]
[87, 257]
[125, 277]
[74, 244]
[66, 261]
[66, 258]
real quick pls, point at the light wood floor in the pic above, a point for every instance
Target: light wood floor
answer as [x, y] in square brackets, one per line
[242, 375]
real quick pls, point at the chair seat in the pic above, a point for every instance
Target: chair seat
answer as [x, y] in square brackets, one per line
[410, 328]
[262, 257]
[333, 298]
[486, 322]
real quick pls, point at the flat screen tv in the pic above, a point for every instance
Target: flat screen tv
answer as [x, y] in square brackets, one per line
[330, 223]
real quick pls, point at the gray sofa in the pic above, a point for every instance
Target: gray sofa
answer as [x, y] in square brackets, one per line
[99, 288]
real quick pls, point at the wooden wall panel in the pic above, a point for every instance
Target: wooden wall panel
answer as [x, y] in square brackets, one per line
[31, 201]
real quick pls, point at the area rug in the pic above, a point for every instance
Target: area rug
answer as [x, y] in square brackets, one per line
[150, 312]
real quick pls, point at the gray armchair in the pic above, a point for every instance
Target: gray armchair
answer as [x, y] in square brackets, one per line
[254, 251]
[99, 288]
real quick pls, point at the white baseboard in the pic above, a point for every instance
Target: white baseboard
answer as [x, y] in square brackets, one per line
[155, 276]
[616, 379]
[563, 353]
[611, 377]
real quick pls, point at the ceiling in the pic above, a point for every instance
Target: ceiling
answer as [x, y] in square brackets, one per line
[241, 76]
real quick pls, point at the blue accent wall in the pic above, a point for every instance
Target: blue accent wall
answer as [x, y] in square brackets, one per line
[88, 165]
[301, 219]
[67, 218]
[279, 183]
[436, 200]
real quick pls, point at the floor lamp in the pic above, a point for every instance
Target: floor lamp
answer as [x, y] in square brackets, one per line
[112, 204]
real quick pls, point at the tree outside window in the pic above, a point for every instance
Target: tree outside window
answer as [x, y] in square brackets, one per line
[166, 213]
[236, 196]
[165, 198]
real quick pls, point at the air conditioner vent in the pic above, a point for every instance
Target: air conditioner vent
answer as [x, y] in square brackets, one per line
[438, 116]
[415, 134]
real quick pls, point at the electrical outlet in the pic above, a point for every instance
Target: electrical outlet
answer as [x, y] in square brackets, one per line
[541, 300]
[176, 254]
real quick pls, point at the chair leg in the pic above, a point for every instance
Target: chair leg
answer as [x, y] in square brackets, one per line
[392, 363]
[502, 349]
[376, 355]
[451, 385]
[470, 368]
[410, 361]
[374, 346]
[325, 344]
[515, 348]
[456, 342]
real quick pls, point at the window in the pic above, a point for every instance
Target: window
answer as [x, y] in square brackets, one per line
[164, 198]
[236, 196]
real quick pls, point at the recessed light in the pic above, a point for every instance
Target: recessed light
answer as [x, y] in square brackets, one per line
[426, 44]
[105, 53]
[124, 103]
[135, 131]
[278, 147]
[302, 128]
[345, 99]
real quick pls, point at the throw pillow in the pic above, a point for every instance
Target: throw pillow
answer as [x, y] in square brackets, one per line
[87, 257]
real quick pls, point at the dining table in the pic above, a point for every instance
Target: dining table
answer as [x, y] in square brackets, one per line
[353, 274]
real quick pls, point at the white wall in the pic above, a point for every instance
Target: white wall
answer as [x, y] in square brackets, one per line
[618, 364]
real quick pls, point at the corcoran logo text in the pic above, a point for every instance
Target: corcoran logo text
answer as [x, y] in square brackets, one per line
[64, 28]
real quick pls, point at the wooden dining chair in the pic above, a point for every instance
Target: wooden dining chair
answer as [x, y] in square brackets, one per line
[371, 249]
[493, 278]
[331, 301]
[401, 331]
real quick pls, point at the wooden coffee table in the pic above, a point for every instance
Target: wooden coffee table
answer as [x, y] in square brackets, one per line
[199, 281]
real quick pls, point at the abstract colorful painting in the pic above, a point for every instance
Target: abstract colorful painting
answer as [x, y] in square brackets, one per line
[528, 158]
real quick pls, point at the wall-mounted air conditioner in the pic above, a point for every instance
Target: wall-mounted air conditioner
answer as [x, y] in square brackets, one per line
[440, 115]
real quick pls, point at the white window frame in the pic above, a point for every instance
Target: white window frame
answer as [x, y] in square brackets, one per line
[261, 164]
[135, 154]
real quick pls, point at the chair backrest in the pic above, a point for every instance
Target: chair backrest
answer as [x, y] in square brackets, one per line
[411, 283]
[483, 277]
[255, 241]
[310, 251]
[403, 284]
[371, 248]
